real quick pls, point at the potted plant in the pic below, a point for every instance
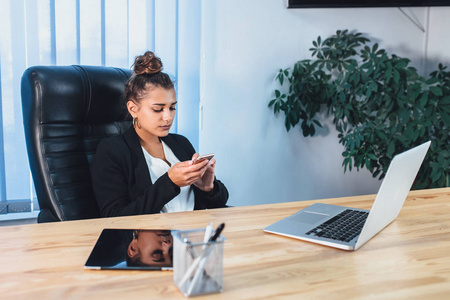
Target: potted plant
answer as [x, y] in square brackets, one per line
[380, 105]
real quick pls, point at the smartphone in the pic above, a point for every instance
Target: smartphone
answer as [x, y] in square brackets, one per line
[203, 157]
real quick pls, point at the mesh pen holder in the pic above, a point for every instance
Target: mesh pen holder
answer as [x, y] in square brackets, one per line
[197, 266]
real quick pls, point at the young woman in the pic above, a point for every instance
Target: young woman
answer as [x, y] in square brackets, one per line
[147, 170]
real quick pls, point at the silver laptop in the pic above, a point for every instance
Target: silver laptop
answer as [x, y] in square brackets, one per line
[349, 228]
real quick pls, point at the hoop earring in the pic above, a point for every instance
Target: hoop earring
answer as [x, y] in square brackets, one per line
[136, 123]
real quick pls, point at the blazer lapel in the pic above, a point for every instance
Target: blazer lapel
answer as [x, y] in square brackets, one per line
[140, 167]
[180, 152]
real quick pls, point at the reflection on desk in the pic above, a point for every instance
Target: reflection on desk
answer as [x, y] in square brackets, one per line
[408, 259]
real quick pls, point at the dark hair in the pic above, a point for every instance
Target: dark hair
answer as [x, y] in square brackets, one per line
[135, 261]
[147, 75]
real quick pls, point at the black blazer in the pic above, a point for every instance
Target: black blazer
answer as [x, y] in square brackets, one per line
[122, 183]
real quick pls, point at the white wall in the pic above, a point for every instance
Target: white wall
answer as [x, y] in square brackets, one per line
[244, 44]
[438, 39]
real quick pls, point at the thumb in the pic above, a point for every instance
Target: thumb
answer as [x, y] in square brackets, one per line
[194, 157]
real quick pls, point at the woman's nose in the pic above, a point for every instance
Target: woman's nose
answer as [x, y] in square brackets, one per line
[168, 255]
[167, 115]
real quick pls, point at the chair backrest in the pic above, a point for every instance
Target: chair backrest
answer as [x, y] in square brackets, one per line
[67, 110]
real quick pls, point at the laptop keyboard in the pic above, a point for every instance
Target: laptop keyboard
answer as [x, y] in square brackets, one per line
[343, 227]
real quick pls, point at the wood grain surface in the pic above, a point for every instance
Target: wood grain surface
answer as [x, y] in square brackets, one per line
[410, 259]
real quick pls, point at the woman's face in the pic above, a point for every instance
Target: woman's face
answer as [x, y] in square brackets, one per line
[155, 112]
[155, 247]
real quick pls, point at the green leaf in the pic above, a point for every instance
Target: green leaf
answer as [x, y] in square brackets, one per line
[432, 80]
[312, 130]
[446, 118]
[436, 176]
[376, 173]
[381, 134]
[375, 47]
[276, 108]
[390, 149]
[317, 123]
[445, 101]
[437, 91]
[287, 124]
[369, 91]
[372, 156]
[401, 64]
[388, 73]
[415, 135]
[396, 76]
[277, 93]
[404, 116]
[374, 86]
[367, 164]
[424, 99]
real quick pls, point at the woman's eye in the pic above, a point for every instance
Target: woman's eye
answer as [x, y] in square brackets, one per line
[160, 110]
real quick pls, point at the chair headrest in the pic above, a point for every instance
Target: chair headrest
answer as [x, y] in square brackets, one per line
[100, 89]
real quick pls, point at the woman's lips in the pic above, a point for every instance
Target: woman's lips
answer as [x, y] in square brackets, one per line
[165, 127]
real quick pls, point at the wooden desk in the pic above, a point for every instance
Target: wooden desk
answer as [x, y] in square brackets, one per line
[410, 259]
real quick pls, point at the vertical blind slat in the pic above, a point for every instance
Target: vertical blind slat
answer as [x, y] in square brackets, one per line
[188, 74]
[116, 33]
[90, 32]
[16, 162]
[166, 37]
[137, 31]
[66, 34]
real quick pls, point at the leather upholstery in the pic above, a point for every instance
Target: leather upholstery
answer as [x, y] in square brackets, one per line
[67, 110]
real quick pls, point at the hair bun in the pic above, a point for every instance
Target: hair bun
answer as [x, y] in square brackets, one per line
[148, 63]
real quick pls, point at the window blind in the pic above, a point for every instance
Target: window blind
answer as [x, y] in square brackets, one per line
[89, 32]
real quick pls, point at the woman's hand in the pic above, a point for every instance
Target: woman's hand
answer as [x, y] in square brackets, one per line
[187, 172]
[206, 182]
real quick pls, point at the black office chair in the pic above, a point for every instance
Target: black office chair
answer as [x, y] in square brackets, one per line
[67, 110]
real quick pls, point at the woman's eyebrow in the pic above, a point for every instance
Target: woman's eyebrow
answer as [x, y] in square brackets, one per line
[164, 104]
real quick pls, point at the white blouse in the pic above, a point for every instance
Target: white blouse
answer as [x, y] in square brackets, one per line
[158, 167]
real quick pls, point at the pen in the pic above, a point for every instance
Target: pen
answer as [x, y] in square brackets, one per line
[208, 232]
[217, 232]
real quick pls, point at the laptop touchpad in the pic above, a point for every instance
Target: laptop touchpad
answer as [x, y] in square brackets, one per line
[307, 218]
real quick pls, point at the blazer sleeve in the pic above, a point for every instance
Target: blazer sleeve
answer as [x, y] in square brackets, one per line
[114, 182]
[215, 199]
